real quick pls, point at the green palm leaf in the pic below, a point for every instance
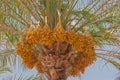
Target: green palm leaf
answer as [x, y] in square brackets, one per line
[5, 69]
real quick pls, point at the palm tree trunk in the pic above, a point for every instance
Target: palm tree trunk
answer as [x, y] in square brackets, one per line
[54, 61]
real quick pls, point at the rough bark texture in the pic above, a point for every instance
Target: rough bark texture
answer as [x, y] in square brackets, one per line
[55, 61]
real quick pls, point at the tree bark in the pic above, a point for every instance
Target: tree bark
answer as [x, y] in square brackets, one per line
[54, 61]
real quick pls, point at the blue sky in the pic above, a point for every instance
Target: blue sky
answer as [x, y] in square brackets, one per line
[101, 71]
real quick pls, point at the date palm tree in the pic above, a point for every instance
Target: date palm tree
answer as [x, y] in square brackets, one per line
[60, 38]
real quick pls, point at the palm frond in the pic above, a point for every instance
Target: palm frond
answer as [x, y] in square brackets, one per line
[6, 28]
[5, 69]
[23, 77]
[7, 57]
[110, 54]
